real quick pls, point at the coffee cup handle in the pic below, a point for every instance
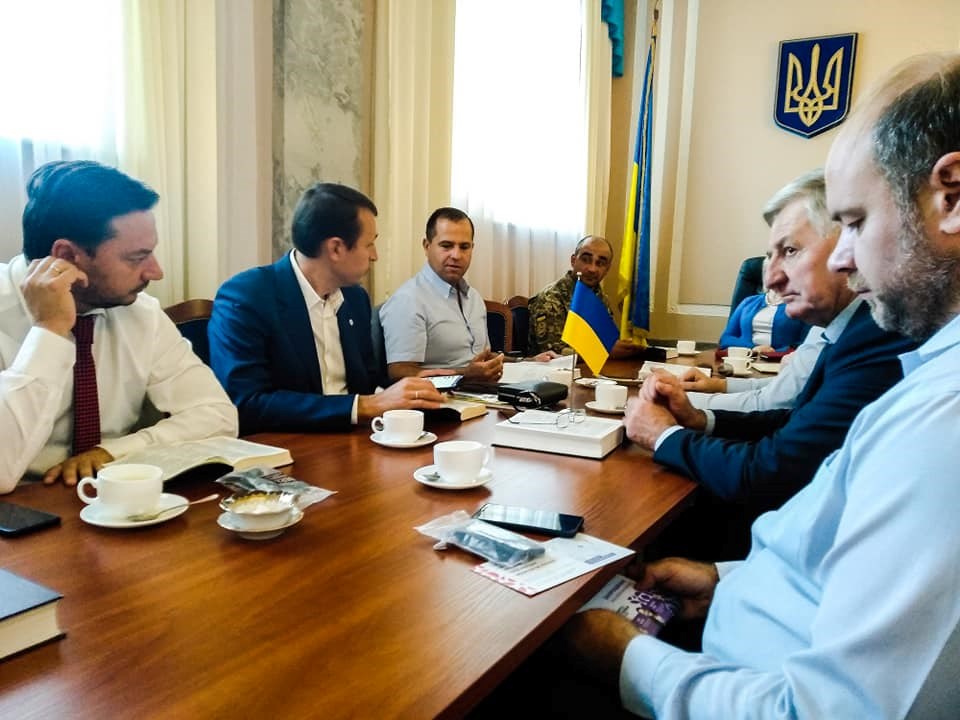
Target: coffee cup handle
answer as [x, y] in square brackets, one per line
[487, 458]
[377, 424]
[749, 364]
[89, 499]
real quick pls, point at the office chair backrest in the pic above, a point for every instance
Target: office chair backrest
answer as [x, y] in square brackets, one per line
[749, 281]
[191, 318]
[520, 314]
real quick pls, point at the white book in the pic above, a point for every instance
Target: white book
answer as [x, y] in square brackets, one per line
[536, 430]
[670, 352]
[648, 367]
[238, 454]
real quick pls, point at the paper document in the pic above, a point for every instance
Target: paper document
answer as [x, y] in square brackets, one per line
[565, 559]
[678, 370]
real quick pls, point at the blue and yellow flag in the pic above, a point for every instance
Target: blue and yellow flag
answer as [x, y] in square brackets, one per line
[633, 289]
[589, 329]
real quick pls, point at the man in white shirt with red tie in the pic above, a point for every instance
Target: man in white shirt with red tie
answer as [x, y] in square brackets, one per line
[81, 346]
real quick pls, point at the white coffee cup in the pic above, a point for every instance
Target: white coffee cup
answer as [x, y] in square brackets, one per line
[686, 347]
[399, 426]
[125, 489]
[460, 461]
[611, 397]
[740, 365]
[740, 352]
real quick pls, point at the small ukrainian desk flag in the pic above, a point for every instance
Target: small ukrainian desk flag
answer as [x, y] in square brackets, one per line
[589, 329]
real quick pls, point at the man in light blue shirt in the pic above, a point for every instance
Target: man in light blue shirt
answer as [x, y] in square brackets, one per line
[848, 604]
[757, 394]
[435, 319]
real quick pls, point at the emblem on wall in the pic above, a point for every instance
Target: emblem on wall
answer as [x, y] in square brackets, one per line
[814, 80]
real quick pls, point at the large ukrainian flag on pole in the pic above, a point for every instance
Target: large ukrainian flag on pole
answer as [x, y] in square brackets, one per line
[633, 289]
[589, 329]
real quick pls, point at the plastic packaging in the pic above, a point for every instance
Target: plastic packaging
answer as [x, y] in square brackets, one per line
[503, 547]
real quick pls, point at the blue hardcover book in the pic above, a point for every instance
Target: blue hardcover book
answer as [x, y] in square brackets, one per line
[28, 614]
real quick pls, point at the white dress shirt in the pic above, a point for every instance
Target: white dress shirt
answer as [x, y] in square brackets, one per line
[326, 336]
[139, 355]
[769, 393]
[429, 321]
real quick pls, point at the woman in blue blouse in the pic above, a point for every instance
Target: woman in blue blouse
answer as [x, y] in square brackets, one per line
[761, 321]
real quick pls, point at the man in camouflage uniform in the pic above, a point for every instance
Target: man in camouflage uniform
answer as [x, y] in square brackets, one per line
[591, 259]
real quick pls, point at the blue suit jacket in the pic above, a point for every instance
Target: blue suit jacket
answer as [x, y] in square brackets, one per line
[263, 352]
[787, 332]
[764, 458]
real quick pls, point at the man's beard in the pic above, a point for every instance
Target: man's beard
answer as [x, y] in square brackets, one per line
[95, 299]
[922, 293]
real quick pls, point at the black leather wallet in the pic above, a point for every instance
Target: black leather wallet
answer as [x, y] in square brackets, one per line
[532, 393]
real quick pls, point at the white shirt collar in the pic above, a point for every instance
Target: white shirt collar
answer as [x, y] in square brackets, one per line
[334, 300]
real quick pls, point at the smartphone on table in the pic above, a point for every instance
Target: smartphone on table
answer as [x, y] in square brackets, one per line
[545, 522]
[445, 382]
[20, 520]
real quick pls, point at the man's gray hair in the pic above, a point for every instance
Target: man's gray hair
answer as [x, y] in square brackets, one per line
[812, 189]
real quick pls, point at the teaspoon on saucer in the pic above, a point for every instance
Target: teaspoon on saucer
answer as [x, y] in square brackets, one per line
[143, 517]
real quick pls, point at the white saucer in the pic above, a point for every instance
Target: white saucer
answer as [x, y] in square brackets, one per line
[767, 367]
[421, 476]
[593, 382]
[227, 522]
[425, 439]
[592, 404]
[94, 515]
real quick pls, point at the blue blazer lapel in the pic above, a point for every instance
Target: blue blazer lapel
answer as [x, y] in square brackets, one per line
[353, 319]
[352, 359]
[293, 318]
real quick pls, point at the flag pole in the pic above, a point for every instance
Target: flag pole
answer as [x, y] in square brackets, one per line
[573, 373]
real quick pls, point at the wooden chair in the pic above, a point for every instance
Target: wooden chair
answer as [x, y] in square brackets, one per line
[191, 318]
[520, 313]
[499, 326]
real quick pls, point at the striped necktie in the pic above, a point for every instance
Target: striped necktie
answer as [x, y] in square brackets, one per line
[86, 405]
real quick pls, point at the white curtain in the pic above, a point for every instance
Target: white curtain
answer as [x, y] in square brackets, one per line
[597, 62]
[412, 121]
[99, 80]
[61, 94]
[530, 136]
[152, 143]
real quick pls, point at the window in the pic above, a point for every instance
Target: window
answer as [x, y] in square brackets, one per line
[61, 81]
[519, 102]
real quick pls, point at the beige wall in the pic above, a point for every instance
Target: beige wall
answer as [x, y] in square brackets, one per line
[719, 154]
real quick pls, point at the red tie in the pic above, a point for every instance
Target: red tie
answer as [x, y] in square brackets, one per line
[86, 406]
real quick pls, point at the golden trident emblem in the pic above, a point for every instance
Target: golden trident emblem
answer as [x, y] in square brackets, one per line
[809, 102]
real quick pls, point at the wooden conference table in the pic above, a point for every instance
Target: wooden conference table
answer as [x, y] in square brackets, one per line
[350, 613]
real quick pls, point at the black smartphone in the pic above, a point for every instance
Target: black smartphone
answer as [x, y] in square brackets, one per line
[445, 382]
[19, 520]
[545, 522]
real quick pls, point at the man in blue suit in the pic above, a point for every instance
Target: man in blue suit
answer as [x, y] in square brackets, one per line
[291, 341]
[752, 462]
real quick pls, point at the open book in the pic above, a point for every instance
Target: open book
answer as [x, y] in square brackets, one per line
[238, 454]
